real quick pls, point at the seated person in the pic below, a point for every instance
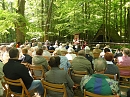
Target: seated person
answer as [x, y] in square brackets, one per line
[27, 58]
[104, 51]
[118, 53]
[64, 62]
[88, 56]
[45, 52]
[51, 47]
[78, 48]
[111, 67]
[96, 53]
[58, 76]
[38, 59]
[70, 55]
[80, 63]
[13, 69]
[124, 61]
[99, 83]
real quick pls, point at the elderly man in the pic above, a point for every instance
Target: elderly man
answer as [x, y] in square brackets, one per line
[99, 83]
[80, 63]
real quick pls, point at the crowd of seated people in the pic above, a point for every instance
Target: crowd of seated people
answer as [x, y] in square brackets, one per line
[84, 60]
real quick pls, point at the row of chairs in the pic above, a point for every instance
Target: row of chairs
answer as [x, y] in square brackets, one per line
[47, 86]
[26, 93]
[125, 79]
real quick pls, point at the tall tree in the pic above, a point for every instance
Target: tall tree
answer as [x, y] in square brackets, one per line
[20, 28]
[47, 24]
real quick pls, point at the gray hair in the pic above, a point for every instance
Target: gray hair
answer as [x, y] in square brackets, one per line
[100, 64]
[126, 51]
[44, 47]
[81, 53]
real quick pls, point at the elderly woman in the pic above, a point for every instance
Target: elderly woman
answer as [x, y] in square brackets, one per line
[111, 67]
[58, 76]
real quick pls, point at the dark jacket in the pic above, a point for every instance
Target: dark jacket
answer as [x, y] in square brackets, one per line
[13, 69]
[90, 58]
[112, 69]
[27, 58]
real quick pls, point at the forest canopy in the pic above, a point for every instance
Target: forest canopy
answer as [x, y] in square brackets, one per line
[22, 20]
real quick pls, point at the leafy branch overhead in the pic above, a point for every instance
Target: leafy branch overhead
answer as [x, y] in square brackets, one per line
[8, 21]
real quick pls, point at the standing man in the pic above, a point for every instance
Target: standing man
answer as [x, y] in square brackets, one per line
[13, 69]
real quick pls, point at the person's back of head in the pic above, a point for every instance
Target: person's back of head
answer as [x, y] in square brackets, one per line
[8, 48]
[106, 50]
[81, 53]
[70, 50]
[108, 56]
[87, 49]
[14, 53]
[39, 51]
[39, 45]
[63, 51]
[24, 51]
[100, 65]
[3, 47]
[57, 52]
[54, 61]
[96, 52]
[126, 51]
[44, 47]
[97, 46]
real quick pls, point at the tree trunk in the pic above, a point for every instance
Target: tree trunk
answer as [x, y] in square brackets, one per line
[20, 37]
[47, 25]
[125, 19]
[109, 21]
[121, 17]
[3, 4]
[106, 21]
[128, 23]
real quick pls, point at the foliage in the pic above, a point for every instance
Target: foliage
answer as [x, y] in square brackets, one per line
[8, 21]
[68, 17]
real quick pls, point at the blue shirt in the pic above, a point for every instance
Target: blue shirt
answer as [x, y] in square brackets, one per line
[64, 63]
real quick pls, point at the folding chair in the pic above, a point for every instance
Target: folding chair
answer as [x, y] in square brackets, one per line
[77, 76]
[18, 82]
[37, 71]
[53, 87]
